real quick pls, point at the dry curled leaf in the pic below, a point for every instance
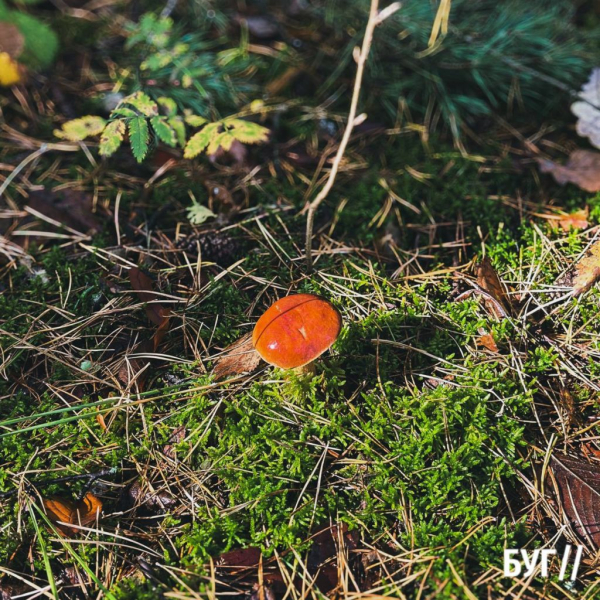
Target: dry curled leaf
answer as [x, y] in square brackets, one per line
[177, 436]
[587, 109]
[157, 313]
[585, 273]
[64, 512]
[11, 39]
[140, 494]
[322, 565]
[8, 591]
[575, 220]
[240, 357]
[489, 282]
[487, 341]
[578, 483]
[582, 169]
[242, 558]
[220, 199]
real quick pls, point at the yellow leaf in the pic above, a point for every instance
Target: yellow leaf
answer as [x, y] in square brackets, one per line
[9, 70]
[80, 129]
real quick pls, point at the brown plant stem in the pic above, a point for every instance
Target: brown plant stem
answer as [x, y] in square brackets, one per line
[375, 18]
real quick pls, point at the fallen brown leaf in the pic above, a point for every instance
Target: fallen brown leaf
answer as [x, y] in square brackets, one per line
[139, 494]
[220, 199]
[488, 281]
[242, 558]
[327, 544]
[240, 357]
[70, 208]
[64, 511]
[321, 564]
[177, 436]
[487, 341]
[8, 591]
[157, 313]
[585, 273]
[11, 39]
[578, 483]
[582, 169]
[575, 220]
[566, 221]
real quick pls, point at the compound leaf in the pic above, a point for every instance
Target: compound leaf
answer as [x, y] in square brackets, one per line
[142, 103]
[200, 141]
[246, 131]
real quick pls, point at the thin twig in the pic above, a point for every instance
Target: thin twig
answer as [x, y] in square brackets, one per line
[91, 477]
[375, 18]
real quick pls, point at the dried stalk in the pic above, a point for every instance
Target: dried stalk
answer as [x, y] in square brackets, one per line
[375, 18]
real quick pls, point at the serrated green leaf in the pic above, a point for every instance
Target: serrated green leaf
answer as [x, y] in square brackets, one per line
[80, 129]
[169, 105]
[123, 111]
[138, 137]
[142, 103]
[246, 131]
[111, 138]
[163, 130]
[199, 141]
[178, 126]
[195, 120]
[223, 140]
[197, 213]
[158, 60]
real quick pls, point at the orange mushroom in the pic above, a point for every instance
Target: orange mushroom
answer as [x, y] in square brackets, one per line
[296, 330]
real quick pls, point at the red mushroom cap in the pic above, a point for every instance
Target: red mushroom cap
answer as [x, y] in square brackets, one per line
[296, 330]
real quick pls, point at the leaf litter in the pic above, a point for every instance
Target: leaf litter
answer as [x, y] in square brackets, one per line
[585, 273]
[578, 483]
[67, 514]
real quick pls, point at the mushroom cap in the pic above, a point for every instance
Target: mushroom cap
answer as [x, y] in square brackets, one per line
[296, 330]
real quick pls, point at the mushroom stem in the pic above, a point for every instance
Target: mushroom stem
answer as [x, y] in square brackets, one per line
[305, 370]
